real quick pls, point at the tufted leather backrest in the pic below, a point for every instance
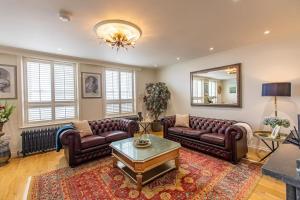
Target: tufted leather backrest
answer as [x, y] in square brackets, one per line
[105, 125]
[209, 124]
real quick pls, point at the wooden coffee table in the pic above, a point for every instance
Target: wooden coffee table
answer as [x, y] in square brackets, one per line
[143, 165]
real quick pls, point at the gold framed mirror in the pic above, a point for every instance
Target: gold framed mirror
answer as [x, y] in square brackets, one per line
[220, 86]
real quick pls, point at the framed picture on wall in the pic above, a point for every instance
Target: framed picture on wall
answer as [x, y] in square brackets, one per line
[8, 82]
[232, 90]
[91, 85]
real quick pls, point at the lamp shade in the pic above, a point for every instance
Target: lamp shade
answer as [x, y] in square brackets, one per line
[276, 89]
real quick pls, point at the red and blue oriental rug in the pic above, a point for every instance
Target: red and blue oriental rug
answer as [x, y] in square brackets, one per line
[199, 177]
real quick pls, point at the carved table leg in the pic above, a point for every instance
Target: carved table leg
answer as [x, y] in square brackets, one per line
[114, 161]
[139, 179]
[177, 162]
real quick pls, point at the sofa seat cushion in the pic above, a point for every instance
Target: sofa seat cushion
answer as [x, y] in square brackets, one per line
[213, 138]
[187, 132]
[112, 136]
[91, 141]
[177, 129]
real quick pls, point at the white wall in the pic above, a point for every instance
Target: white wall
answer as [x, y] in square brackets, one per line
[227, 96]
[88, 108]
[267, 62]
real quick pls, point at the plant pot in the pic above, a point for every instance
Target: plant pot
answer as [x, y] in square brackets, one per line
[5, 153]
[156, 126]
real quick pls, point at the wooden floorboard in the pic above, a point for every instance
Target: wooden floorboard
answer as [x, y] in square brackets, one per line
[14, 175]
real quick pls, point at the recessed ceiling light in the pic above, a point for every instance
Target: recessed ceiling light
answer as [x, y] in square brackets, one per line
[64, 15]
[178, 58]
[211, 49]
[267, 32]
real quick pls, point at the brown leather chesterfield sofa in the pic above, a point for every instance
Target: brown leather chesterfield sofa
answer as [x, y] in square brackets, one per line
[78, 150]
[217, 137]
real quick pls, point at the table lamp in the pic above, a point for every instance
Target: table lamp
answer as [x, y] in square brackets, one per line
[275, 90]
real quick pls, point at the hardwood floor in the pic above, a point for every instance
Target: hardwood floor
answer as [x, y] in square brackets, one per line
[13, 177]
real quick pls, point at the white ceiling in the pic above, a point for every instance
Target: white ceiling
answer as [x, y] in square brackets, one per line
[171, 28]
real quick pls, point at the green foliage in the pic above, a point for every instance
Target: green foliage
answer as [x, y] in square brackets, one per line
[273, 121]
[5, 112]
[156, 98]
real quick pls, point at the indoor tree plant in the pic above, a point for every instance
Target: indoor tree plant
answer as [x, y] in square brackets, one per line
[156, 100]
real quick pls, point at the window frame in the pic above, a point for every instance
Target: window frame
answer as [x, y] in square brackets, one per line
[52, 103]
[120, 101]
[215, 82]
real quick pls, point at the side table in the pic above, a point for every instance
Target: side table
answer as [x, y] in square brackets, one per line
[5, 153]
[145, 125]
[265, 136]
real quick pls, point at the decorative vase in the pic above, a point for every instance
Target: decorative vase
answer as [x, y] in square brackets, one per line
[5, 153]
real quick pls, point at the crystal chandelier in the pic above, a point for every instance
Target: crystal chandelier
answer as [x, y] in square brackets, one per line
[118, 33]
[231, 70]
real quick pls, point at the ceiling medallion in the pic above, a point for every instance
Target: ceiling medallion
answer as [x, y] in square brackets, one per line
[118, 33]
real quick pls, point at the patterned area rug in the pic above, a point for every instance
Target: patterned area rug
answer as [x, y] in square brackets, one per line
[199, 177]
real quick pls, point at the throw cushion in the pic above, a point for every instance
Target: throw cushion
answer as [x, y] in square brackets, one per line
[182, 120]
[83, 127]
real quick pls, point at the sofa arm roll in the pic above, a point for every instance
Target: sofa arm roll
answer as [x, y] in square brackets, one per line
[130, 126]
[69, 136]
[235, 132]
[168, 121]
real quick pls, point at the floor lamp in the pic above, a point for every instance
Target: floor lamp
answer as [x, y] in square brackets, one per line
[275, 90]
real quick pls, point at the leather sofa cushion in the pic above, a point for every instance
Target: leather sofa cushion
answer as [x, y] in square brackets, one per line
[187, 132]
[112, 136]
[91, 141]
[177, 129]
[213, 138]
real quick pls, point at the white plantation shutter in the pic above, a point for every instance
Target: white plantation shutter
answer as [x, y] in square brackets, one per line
[64, 82]
[119, 90]
[112, 85]
[64, 86]
[50, 91]
[197, 90]
[212, 89]
[126, 85]
[39, 82]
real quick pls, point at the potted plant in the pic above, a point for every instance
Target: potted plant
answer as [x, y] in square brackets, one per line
[276, 123]
[273, 121]
[156, 100]
[5, 112]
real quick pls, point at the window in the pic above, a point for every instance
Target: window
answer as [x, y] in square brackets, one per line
[212, 90]
[197, 90]
[50, 91]
[119, 90]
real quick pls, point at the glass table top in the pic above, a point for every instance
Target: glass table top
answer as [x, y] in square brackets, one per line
[158, 146]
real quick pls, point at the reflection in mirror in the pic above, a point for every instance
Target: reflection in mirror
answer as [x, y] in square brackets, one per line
[219, 86]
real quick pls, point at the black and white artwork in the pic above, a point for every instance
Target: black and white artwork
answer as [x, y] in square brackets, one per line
[91, 85]
[8, 82]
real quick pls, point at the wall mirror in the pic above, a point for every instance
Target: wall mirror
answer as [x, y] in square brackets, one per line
[219, 86]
